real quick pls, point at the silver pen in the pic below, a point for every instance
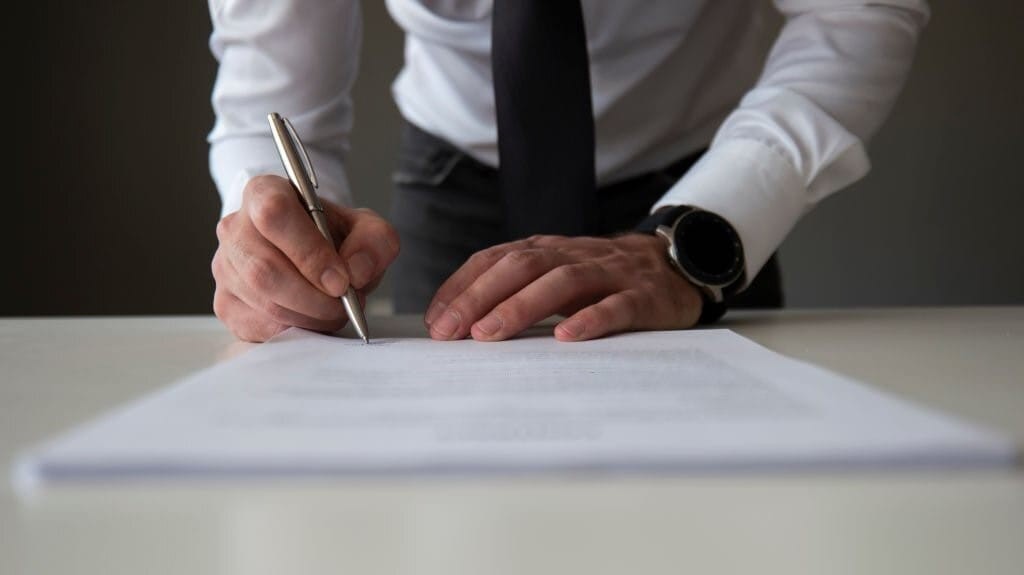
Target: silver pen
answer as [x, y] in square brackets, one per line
[303, 178]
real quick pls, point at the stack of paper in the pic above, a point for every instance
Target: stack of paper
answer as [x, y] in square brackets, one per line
[312, 404]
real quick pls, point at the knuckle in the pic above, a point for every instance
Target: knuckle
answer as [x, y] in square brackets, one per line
[313, 262]
[537, 240]
[579, 273]
[477, 258]
[276, 313]
[260, 274]
[269, 209]
[217, 266]
[393, 242]
[512, 313]
[466, 305]
[527, 260]
[224, 227]
[382, 235]
[260, 184]
[487, 256]
[220, 306]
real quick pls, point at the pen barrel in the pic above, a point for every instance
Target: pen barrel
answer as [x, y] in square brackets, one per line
[303, 179]
[355, 313]
[320, 219]
[349, 300]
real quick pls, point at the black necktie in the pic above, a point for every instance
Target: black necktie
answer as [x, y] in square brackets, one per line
[545, 118]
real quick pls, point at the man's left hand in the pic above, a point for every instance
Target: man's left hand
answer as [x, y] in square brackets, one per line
[601, 285]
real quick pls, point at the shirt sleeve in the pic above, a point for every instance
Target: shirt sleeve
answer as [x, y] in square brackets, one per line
[799, 135]
[299, 59]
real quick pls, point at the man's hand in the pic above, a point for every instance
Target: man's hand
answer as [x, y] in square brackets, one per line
[602, 285]
[274, 270]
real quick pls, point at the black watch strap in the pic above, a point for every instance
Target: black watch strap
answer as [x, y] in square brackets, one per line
[712, 311]
[662, 217]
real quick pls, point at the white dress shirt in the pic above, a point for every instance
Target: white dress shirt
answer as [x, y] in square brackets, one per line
[668, 77]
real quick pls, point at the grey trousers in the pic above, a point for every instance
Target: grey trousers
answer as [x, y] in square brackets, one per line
[447, 206]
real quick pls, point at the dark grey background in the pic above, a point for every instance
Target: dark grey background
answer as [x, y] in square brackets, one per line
[111, 209]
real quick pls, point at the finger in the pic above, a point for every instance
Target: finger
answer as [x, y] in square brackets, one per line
[276, 213]
[633, 309]
[269, 310]
[243, 321]
[264, 279]
[615, 313]
[463, 277]
[514, 271]
[370, 245]
[584, 281]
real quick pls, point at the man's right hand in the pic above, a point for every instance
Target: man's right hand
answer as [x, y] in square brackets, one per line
[274, 270]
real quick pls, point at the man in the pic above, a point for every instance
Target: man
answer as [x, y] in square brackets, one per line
[538, 133]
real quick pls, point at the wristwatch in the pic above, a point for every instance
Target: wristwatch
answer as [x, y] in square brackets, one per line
[705, 248]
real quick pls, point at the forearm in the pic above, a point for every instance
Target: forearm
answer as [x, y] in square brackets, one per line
[296, 58]
[800, 133]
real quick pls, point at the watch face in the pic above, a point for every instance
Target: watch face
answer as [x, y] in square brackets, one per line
[708, 248]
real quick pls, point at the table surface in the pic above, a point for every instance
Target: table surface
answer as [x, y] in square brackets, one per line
[966, 361]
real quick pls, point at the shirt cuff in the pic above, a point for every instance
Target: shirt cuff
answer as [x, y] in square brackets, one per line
[750, 185]
[236, 161]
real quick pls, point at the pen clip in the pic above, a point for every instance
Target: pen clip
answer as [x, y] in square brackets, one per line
[304, 156]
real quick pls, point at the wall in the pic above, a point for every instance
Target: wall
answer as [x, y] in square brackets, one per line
[114, 209]
[111, 210]
[937, 221]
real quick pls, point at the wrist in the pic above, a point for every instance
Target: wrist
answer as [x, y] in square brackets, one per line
[705, 249]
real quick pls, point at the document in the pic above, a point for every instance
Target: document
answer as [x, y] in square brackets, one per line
[312, 404]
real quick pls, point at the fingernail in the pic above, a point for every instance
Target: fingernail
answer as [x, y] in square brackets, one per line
[489, 325]
[434, 311]
[334, 282]
[446, 324]
[574, 328]
[361, 266]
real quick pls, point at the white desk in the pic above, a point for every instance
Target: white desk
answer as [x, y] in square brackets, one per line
[55, 373]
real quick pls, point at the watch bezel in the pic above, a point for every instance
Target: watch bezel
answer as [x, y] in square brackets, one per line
[732, 270]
